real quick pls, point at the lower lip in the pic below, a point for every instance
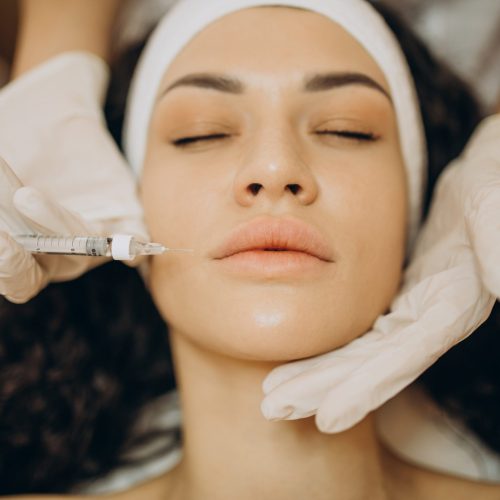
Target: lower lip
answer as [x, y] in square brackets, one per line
[268, 263]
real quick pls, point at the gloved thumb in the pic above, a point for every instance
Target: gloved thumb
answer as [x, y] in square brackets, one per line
[21, 277]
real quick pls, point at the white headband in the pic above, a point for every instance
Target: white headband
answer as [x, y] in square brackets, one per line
[357, 17]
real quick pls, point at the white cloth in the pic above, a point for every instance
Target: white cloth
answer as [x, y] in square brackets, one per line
[441, 24]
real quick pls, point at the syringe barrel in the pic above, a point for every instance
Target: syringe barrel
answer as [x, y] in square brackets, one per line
[95, 246]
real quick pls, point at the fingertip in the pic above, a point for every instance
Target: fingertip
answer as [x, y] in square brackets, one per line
[329, 423]
[273, 412]
[323, 424]
[326, 419]
[328, 427]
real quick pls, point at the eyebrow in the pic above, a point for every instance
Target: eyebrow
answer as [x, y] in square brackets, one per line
[315, 83]
[328, 81]
[208, 81]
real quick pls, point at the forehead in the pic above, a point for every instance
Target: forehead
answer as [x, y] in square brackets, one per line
[274, 41]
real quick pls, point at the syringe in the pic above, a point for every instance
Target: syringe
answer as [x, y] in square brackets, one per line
[118, 246]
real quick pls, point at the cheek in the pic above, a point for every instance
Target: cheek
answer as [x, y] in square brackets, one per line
[173, 200]
[373, 238]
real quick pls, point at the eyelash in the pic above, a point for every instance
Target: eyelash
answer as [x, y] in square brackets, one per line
[350, 134]
[187, 141]
[345, 134]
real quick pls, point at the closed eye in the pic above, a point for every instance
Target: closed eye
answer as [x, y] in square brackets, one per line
[186, 141]
[350, 134]
[345, 134]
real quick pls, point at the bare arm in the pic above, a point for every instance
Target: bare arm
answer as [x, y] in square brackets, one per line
[49, 27]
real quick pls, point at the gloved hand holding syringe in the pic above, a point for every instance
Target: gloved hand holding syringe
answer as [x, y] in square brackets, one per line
[118, 246]
[62, 174]
[41, 241]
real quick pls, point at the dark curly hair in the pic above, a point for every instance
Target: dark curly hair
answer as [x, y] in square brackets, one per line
[79, 361]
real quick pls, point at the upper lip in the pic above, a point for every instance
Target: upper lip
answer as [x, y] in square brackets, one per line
[275, 234]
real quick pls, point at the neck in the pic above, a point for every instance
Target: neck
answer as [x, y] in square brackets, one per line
[231, 451]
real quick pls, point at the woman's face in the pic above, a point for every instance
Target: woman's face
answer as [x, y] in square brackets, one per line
[273, 152]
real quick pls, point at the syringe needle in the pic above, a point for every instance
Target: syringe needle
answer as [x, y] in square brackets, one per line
[179, 250]
[159, 249]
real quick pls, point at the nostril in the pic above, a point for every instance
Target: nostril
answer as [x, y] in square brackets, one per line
[294, 188]
[254, 188]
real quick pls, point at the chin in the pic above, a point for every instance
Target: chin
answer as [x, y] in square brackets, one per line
[271, 344]
[279, 327]
[268, 321]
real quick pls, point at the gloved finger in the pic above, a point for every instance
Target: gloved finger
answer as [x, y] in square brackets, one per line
[47, 216]
[21, 277]
[483, 226]
[458, 308]
[300, 395]
[347, 404]
[283, 373]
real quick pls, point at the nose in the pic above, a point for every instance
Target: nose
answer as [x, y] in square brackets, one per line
[273, 170]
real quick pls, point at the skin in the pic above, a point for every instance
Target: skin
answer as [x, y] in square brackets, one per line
[78, 25]
[228, 330]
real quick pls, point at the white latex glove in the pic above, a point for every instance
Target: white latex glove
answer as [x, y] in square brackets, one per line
[53, 136]
[449, 290]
